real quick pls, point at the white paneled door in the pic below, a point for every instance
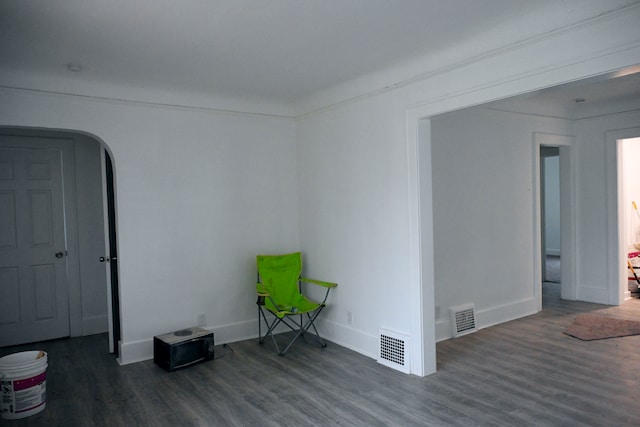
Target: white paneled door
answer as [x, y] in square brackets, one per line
[34, 302]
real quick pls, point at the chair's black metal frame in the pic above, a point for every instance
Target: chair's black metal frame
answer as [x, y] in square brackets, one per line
[299, 326]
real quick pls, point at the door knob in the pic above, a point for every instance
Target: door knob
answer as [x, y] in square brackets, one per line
[59, 254]
[103, 259]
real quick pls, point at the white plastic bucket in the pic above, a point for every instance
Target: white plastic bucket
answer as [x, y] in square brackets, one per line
[23, 382]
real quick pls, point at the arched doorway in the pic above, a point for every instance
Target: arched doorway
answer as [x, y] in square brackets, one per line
[54, 183]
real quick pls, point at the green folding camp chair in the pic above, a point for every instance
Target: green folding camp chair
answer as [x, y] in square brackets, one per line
[279, 292]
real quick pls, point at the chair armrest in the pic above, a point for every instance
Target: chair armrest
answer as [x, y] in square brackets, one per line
[319, 282]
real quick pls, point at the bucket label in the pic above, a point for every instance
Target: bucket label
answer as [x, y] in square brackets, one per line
[23, 395]
[29, 382]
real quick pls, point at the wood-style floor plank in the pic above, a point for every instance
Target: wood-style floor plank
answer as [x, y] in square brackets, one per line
[522, 373]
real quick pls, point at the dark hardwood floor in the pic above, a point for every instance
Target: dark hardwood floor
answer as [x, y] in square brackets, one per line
[521, 373]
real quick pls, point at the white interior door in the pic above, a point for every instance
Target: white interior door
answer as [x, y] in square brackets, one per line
[34, 299]
[113, 308]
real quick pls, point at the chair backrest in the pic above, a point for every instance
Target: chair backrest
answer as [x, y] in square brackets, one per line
[279, 274]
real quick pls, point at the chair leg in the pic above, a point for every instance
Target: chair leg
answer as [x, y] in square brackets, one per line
[304, 329]
[300, 328]
[270, 328]
[317, 336]
[300, 332]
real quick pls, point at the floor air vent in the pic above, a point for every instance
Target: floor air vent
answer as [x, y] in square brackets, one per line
[394, 348]
[463, 320]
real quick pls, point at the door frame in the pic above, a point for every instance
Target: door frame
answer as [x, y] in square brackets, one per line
[544, 188]
[67, 141]
[616, 252]
[567, 214]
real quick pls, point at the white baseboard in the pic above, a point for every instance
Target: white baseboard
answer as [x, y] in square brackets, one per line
[507, 312]
[343, 335]
[350, 338]
[491, 316]
[592, 294]
[135, 351]
[236, 331]
[443, 330]
[138, 351]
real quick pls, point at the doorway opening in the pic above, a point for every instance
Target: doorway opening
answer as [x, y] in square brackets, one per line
[550, 212]
[419, 144]
[628, 161]
[550, 222]
[75, 229]
[554, 213]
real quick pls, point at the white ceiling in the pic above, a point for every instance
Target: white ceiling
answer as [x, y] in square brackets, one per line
[280, 50]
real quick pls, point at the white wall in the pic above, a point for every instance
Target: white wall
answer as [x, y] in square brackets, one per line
[484, 212]
[198, 195]
[354, 219]
[359, 158]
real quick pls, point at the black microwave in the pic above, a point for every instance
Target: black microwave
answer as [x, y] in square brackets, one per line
[183, 348]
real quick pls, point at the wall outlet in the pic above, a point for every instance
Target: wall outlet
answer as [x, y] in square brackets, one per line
[349, 318]
[202, 319]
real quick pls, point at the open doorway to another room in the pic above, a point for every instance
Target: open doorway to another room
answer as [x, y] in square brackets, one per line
[629, 215]
[62, 182]
[550, 219]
